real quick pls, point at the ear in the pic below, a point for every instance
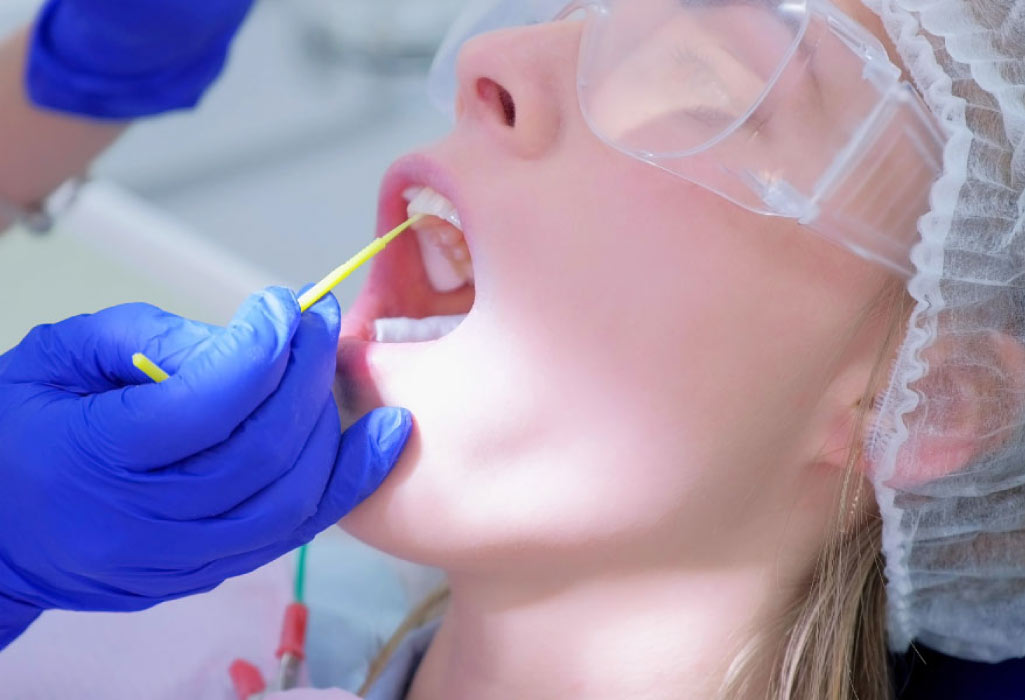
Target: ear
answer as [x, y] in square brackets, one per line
[840, 412]
[974, 393]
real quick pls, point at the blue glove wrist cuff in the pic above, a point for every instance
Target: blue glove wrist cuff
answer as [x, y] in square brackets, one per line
[15, 618]
[57, 83]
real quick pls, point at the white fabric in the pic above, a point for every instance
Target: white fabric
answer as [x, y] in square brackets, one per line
[311, 694]
[955, 542]
[181, 649]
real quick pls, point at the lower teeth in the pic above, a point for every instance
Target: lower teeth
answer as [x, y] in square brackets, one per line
[414, 330]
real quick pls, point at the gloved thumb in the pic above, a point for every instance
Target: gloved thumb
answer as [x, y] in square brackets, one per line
[369, 451]
[221, 382]
[367, 454]
[385, 434]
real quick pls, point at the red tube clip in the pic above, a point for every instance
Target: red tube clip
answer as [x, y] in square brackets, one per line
[247, 679]
[293, 632]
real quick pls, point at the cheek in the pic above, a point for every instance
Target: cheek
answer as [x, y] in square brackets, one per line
[605, 394]
[634, 369]
[648, 293]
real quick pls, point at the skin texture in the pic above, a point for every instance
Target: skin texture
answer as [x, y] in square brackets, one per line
[41, 149]
[627, 458]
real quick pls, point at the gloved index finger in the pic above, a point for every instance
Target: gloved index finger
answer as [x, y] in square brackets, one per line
[269, 442]
[221, 382]
[92, 353]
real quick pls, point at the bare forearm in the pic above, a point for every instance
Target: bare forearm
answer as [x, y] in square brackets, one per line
[40, 149]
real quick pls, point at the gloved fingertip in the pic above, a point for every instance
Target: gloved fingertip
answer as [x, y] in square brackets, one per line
[331, 313]
[278, 303]
[281, 304]
[274, 309]
[391, 428]
[386, 431]
[327, 301]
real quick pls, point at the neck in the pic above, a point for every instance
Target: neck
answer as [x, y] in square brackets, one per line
[655, 634]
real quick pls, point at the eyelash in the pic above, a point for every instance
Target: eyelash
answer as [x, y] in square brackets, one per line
[757, 121]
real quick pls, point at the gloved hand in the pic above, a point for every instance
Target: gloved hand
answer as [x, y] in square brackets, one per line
[120, 59]
[117, 493]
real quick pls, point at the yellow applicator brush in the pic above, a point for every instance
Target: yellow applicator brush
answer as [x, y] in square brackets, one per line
[315, 293]
[340, 273]
[150, 368]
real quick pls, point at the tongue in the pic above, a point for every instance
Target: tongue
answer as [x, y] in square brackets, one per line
[414, 330]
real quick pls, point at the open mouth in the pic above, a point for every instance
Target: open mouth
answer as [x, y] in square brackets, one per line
[421, 288]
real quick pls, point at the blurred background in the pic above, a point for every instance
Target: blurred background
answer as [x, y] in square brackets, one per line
[272, 180]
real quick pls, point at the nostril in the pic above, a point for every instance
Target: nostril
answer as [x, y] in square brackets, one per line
[498, 98]
[508, 106]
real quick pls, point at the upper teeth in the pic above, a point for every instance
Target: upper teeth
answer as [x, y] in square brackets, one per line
[424, 200]
[445, 255]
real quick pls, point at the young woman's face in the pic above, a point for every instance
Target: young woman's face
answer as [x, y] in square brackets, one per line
[645, 364]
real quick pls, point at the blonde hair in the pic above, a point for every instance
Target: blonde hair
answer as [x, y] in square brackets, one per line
[834, 636]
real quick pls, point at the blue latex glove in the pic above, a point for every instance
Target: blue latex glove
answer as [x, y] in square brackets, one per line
[120, 59]
[117, 493]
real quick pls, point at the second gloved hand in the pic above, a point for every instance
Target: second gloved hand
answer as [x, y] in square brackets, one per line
[117, 493]
[121, 59]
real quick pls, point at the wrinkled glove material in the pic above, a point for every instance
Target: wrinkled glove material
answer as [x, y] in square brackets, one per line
[122, 59]
[119, 493]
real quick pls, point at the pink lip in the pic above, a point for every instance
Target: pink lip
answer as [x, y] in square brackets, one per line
[415, 169]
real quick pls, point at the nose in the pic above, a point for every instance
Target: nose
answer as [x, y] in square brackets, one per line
[519, 85]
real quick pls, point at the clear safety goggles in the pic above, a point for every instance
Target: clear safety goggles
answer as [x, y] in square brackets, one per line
[784, 107]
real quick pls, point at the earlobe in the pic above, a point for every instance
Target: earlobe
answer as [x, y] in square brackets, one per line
[973, 400]
[840, 437]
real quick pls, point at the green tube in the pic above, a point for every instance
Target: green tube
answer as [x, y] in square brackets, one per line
[300, 576]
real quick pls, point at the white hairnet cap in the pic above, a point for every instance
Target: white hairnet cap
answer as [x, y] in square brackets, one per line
[948, 446]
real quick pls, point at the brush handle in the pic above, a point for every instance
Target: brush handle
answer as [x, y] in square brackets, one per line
[340, 273]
